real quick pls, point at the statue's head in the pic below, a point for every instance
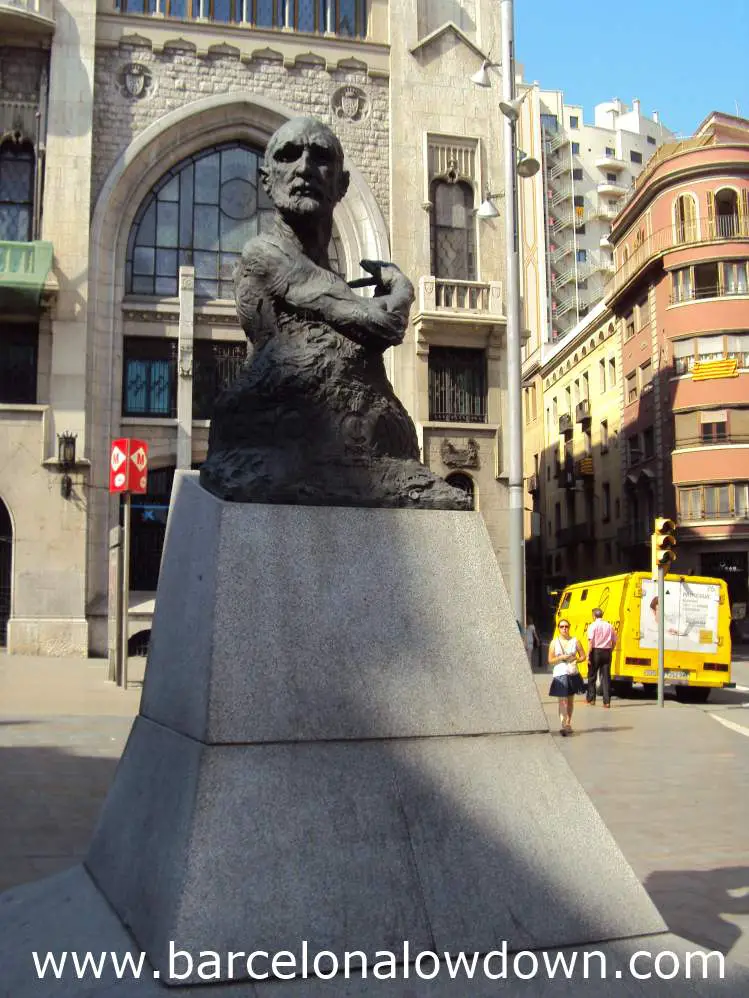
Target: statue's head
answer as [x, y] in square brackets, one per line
[303, 169]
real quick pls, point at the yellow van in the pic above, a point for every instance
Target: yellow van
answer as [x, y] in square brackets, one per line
[697, 630]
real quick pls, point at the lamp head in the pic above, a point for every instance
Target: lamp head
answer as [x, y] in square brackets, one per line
[527, 166]
[487, 208]
[511, 109]
[66, 450]
[482, 78]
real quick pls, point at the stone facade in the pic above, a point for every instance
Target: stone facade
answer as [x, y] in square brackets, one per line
[180, 75]
[130, 98]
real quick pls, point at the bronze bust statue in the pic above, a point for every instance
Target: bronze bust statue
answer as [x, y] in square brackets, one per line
[312, 418]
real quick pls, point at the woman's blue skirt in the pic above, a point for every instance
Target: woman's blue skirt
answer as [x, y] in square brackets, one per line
[565, 686]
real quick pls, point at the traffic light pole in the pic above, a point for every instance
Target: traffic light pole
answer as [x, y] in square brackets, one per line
[661, 632]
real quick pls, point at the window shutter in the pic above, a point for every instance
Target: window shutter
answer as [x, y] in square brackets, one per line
[711, 214]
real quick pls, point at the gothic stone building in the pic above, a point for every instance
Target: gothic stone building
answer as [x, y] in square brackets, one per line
[130, 138]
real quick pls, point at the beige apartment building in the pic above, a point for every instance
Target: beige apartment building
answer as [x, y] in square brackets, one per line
[130, 138]
[575, 480]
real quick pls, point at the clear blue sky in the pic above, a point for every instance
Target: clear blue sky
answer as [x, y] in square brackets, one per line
[683, 58]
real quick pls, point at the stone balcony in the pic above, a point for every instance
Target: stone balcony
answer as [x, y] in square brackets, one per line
[26, 18]
[459, 306]
[26, 278]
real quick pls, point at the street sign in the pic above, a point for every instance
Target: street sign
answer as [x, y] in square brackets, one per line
[128, 466]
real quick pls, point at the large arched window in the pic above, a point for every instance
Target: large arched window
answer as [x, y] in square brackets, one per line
[453, 232]
[16, 190]
[685, 219]
[200, 214]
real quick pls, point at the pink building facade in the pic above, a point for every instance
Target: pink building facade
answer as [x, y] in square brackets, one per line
[681, 295]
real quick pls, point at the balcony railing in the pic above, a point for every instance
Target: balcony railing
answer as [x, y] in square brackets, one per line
[565, 423]
[560, 169]
[533, 484]
[694, 519]
[706, 291]
[34, 15]
[560, 196]
[562, 306]
[24, 270]
[582, 411]
[557, 140]
[561, 251]
[669, 238]
[465, 297]
[729, 438]
[561, 279]
[561, 220]
[347, 18]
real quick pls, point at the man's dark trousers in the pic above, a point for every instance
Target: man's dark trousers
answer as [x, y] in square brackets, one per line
[600, 661]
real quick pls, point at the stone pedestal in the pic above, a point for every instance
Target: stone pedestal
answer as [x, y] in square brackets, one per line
[340, 748]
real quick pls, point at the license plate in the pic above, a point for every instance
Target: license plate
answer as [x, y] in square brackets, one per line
[668, 674]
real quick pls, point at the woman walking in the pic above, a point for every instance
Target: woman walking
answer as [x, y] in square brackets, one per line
[564, 654]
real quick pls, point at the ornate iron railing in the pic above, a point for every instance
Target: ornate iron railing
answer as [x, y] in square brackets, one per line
[215, 367]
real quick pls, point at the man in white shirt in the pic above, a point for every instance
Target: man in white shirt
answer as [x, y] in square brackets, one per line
[601, 642]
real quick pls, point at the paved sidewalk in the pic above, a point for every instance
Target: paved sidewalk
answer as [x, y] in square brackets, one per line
[672, 784]
[62, 729]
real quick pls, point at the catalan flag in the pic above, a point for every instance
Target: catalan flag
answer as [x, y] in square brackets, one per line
[728, 368]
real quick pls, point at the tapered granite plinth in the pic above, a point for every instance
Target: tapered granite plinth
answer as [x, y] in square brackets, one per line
[340, 747]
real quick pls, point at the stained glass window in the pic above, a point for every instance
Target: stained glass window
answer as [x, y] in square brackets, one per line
[453, 231]
[16, 191]
[200, 214]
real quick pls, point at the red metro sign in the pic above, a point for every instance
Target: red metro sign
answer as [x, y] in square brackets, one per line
[128, 466]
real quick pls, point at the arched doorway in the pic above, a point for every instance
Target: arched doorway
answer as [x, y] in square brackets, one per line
[6, 570]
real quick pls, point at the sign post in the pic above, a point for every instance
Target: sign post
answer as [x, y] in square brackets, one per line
[662, 553]
[128, 474]
[661, 633]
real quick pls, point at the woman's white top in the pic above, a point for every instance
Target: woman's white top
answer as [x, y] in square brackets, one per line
[564, 646]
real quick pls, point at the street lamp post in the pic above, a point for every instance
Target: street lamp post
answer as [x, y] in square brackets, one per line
[514, 164]
[516, 533]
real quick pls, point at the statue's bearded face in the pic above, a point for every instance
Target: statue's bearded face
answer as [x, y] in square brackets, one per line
[304, 172]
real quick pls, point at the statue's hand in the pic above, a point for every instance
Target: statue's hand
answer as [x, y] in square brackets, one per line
[390, 280]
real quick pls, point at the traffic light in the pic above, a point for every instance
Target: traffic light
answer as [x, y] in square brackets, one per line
[663, 543]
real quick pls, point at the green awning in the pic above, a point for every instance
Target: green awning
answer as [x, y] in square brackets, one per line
[24, 268]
